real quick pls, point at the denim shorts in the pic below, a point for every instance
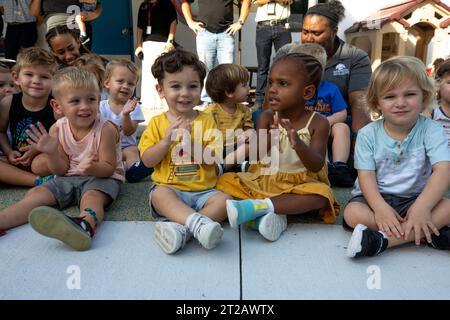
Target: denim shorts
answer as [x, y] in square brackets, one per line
[193, 199]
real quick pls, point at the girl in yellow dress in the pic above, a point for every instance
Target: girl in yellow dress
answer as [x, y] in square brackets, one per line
[298, 183]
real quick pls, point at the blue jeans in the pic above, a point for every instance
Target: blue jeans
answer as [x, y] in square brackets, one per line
[214, 49]
[266, 36]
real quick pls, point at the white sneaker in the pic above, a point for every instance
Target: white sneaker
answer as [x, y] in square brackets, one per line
[272, 225]
[171, 236]
[209, 234]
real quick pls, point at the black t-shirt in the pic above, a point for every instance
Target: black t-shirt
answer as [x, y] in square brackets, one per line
[217, 15]
[159, 17]
[20, 120]
[57, 6]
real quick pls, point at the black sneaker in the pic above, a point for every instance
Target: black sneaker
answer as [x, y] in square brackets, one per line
[244, 166]
[441, 242]
[75, 232]
[137, 172]
[366, 243]
[340, 175]
[84, 39]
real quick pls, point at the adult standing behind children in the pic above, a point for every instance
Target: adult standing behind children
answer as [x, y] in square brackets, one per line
[21, 29]
[155, 34]
[215, 30]
[175, 144]
[84, 152]
[272, 29]
[33, 73]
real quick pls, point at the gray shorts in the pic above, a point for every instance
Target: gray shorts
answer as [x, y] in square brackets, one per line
[399, 204]
[69, 190]
[193, 199]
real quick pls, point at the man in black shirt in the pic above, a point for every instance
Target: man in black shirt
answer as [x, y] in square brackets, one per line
[215, 30]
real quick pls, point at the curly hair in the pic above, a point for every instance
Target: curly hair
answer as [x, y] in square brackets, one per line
[174, 61]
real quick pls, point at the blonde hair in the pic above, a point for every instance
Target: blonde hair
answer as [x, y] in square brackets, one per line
[74, 78]
[114, 63]
[392, 73]
[35, 56]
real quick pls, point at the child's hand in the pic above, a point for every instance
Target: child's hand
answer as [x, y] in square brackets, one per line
[28, 154]
[419, 219]
[13, 157]
[388, 221]
[174, 126]
[130, 106]
[294, 140]
[40, 140]
[275, 122]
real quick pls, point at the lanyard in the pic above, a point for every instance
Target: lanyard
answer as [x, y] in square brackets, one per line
[149, 12]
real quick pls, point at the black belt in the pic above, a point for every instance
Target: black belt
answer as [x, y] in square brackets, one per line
[273, 22]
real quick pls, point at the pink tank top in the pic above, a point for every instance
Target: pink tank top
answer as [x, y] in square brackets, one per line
[78, 150]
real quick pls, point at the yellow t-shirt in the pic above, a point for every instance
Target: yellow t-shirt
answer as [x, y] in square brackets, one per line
[241, 119]
[179, 172]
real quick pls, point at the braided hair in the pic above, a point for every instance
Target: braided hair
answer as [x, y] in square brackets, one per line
[311, 68]
[334, 11]
[63, 29]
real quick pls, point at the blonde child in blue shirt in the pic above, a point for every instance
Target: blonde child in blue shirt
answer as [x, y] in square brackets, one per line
[403, 165]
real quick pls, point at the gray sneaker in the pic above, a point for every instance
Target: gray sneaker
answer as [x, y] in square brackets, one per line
[209, 234]
[171, 236]
[272, 225]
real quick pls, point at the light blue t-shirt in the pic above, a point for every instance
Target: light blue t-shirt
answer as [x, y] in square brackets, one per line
[136, 115]
[329, 100]
[402, 168]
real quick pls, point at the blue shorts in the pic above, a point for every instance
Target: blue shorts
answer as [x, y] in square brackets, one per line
[193, 199]
[89, 7]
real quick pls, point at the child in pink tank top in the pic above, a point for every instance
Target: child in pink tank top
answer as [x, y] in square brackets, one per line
[84, 152]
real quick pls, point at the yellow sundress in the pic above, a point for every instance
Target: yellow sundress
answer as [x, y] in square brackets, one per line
[291, 177]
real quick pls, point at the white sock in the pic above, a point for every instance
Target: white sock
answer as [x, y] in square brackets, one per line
[270, 204]
[83, 34]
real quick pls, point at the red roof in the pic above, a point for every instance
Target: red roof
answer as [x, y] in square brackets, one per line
[393, 13]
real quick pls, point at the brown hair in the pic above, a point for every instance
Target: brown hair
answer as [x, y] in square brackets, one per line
[35, 56]
[393, 72]
[174, 61]
[94, 64]
[224, 79]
